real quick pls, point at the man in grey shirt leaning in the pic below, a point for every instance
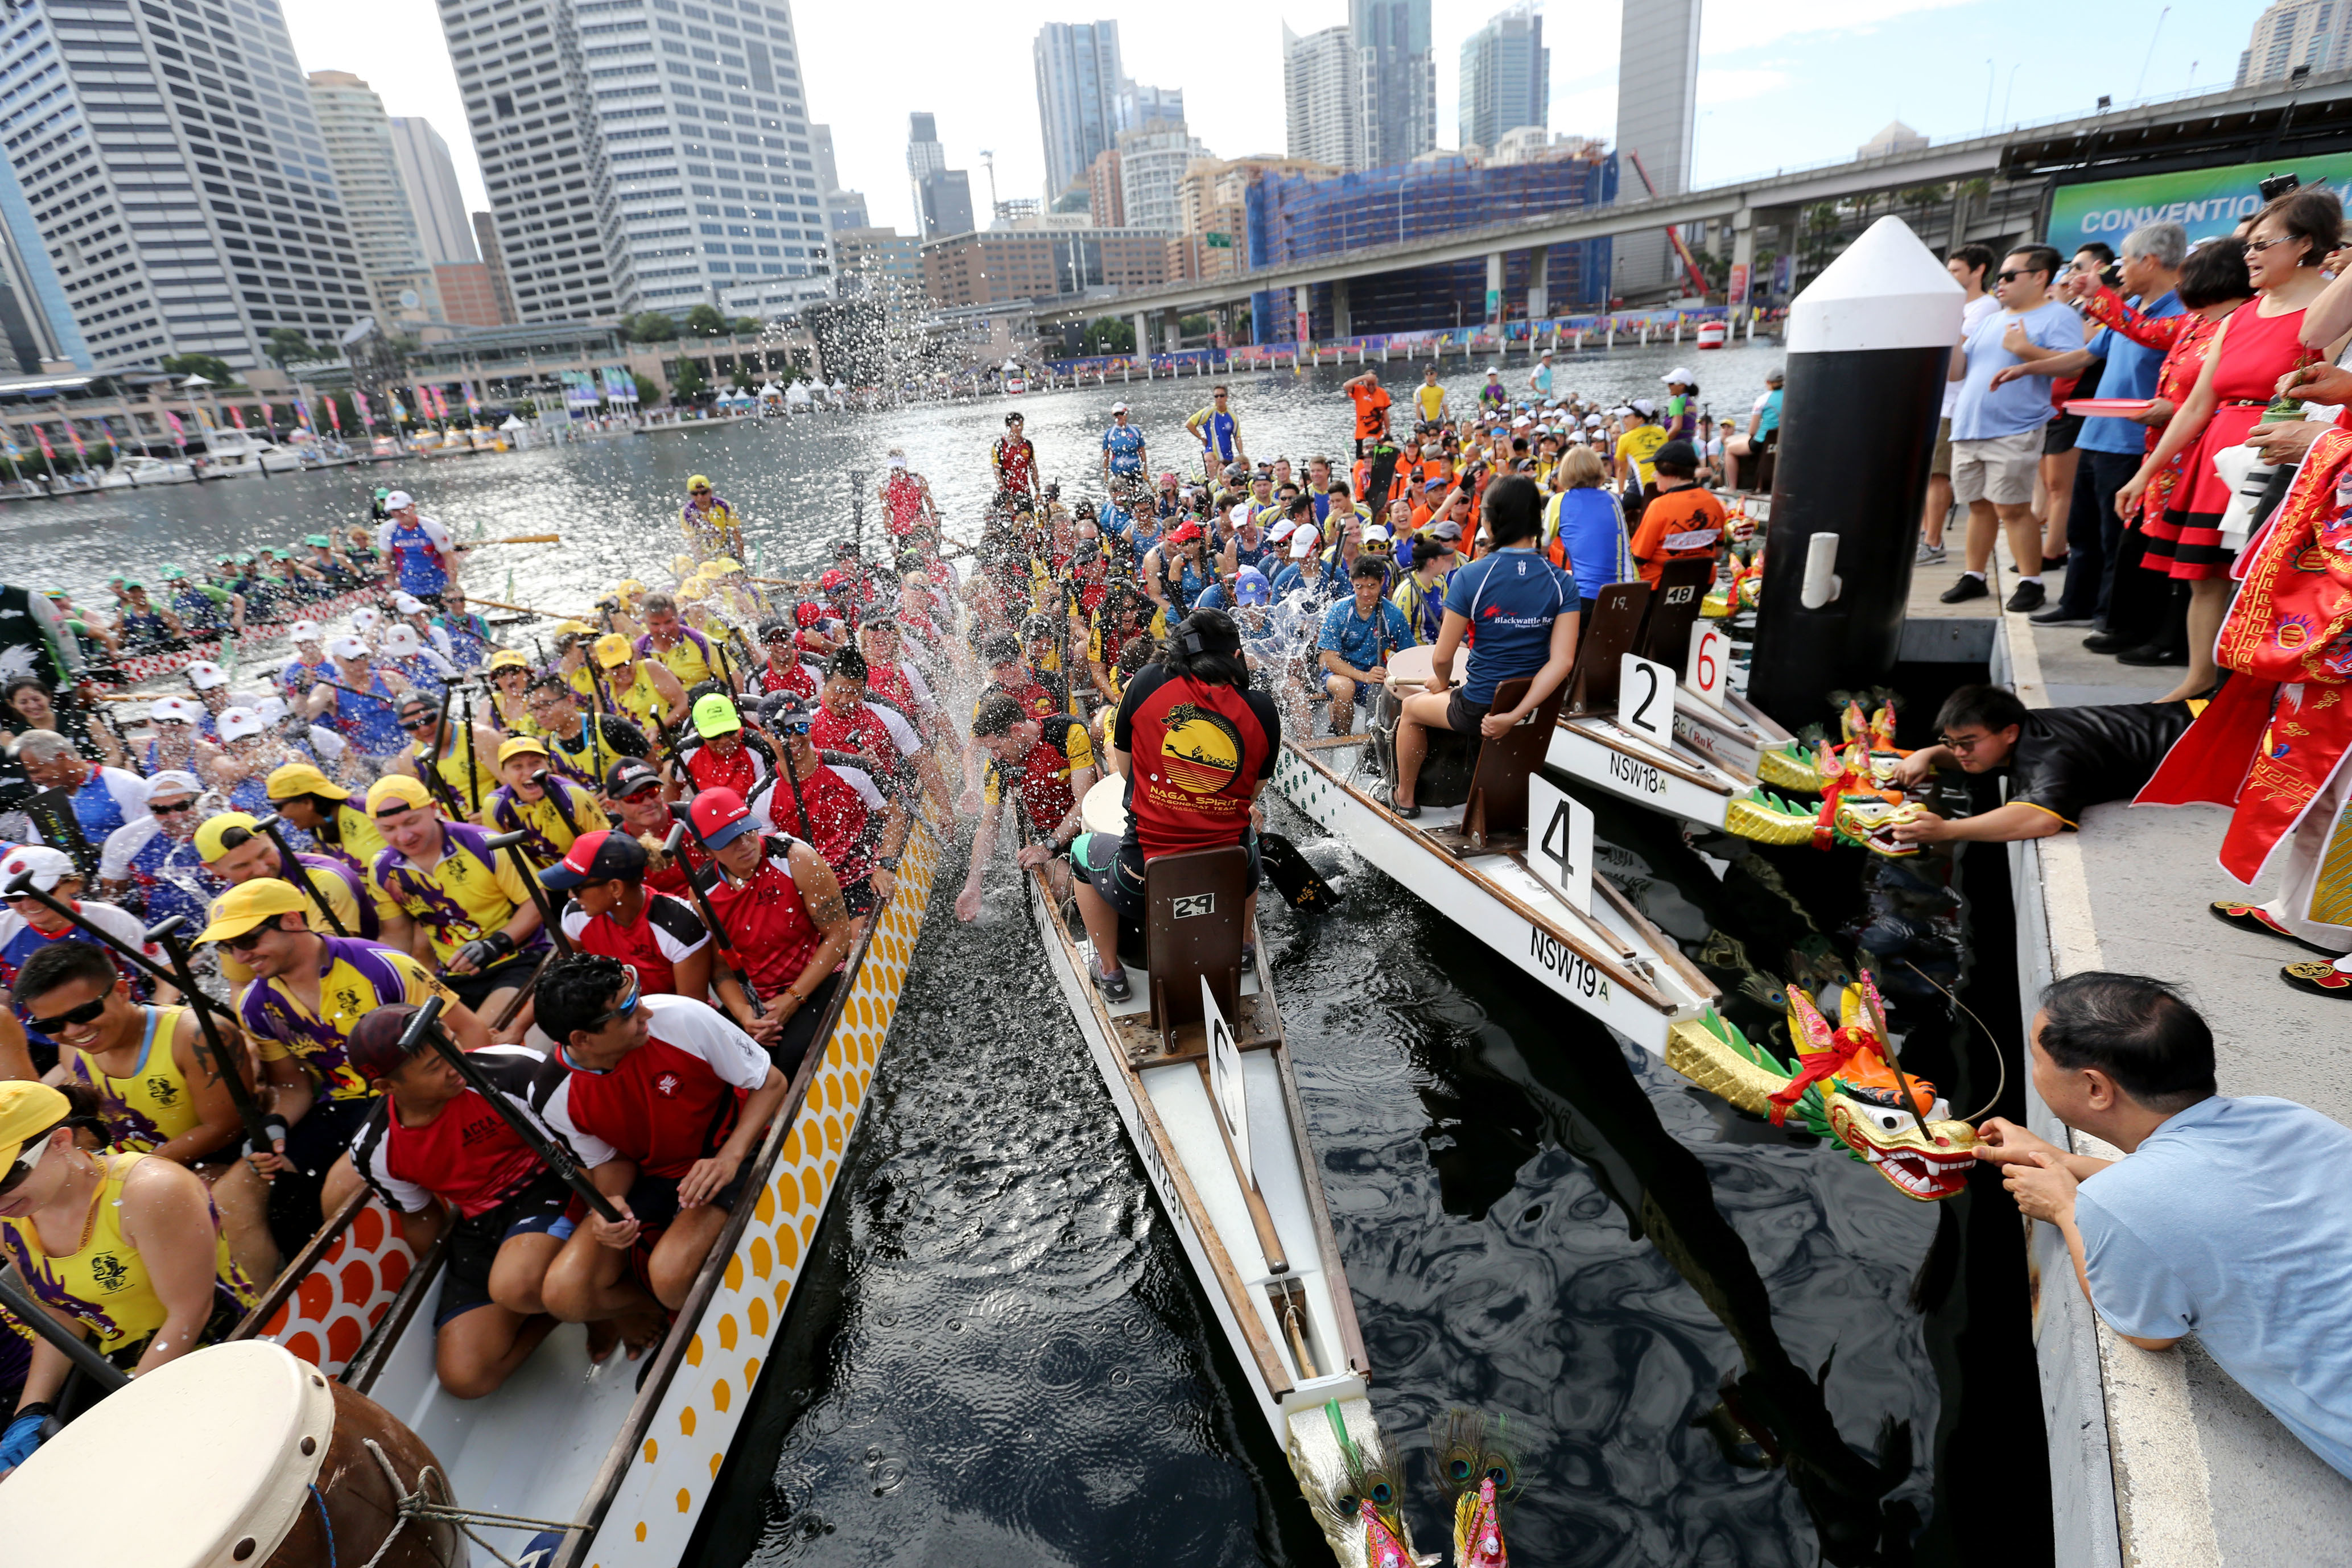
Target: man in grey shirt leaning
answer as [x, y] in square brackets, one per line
[2227, 1219]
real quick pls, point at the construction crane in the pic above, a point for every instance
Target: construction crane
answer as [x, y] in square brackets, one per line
[1674, 235]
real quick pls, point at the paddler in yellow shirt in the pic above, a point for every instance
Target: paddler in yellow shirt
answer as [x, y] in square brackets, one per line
[322, 808]
[460, 761]
[473, 912]
[552, 811]
[638, 689]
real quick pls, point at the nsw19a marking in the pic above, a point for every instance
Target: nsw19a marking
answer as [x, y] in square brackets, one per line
[1576, 972]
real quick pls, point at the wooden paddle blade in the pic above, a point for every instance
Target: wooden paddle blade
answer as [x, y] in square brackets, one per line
[524, 539]
[1294, 878]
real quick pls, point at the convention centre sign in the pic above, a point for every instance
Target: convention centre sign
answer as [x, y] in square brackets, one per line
[2205, 202]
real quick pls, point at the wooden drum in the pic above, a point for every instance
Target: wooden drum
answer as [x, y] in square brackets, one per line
[1410, 669]
[1105, 808]
[244, 1454]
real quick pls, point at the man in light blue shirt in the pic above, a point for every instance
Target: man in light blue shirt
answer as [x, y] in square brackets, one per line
[2227, 1218]
[1997, 423]
[2112, 448]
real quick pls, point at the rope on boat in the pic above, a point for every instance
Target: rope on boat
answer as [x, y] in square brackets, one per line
[418, 1505]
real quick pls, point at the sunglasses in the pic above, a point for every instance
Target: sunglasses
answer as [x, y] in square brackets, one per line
[2022, 272]
[24, 1166]
[412, 725]
[84, 1014]
[171, 810]
[628, 1005]
[2255, 247]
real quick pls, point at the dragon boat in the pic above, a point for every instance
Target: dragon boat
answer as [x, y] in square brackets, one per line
[1197, 1068]
[618, 1459]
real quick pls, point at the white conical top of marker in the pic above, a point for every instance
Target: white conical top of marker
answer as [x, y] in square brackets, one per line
[1885, 290]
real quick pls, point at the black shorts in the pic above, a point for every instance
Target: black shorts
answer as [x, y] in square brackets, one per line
[654, 1199]
[1114, 868]
[474, 990]
[2058, 436]
[859, 897]
[541, 1208]
[1461, 716]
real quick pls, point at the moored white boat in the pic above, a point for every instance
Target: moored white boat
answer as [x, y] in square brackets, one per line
[1260, 1245]
[233, 454]
[144, 470]
[626, 1453]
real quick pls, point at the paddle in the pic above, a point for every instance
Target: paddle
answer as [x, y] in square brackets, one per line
[520, 539]
[425, 1029]
[295, 871]
[512, 843]
[21, 886]
[1300, 885]
[684, 815]
[264, 1130]
[27, 1310]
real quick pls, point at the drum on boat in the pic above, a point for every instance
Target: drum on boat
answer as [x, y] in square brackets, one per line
[1410, 667]
[244, 1454]
[1105, 808]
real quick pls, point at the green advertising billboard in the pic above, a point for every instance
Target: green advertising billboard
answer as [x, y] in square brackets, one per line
[2205, 202]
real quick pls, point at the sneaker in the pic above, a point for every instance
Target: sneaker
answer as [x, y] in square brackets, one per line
[2026, 597]
[2320, 976]
[1929, 554]
[2253, 917]
[1114, 986]
[2152, 657]
[1408, 811]
[2109, 642]
[1969, 587]
[2060, 616]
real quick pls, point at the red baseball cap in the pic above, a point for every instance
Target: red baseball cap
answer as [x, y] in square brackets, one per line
[806, 614]
[832, 580]
[720, 816]
[605, 855]
[373, 1048]
[1184, 533]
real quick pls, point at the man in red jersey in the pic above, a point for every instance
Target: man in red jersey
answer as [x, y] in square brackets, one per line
[665, 1101]
[1195, 745]
[723, 754]
[836, 807]
[884, 742]
[784, 670]
[1050, 766]
[784, 917]
[610, 912]
[433, 1145]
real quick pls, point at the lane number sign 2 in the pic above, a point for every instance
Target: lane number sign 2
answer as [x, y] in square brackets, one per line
[1710, 665]
[1563, 842]
[1646, 699]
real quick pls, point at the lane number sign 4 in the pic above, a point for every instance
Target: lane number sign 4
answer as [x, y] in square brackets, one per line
[1563, 842]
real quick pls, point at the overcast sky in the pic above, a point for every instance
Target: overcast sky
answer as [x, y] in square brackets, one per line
[1779, 84]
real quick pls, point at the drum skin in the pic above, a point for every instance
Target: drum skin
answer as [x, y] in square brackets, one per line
[362, 1503]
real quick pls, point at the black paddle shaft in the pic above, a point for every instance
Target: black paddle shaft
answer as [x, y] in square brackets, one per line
[26, 1309]
[425, 1029]
[264, 1130]
[684, 815]
[512, 843]
[21, 886]
[294, 871]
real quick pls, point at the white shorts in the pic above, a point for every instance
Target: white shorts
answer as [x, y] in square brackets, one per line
[1999, 469]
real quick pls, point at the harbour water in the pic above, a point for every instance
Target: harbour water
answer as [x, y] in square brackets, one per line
[1716, 1342]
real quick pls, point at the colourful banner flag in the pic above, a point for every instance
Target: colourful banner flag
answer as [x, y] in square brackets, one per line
[235, 417]
[473, 404]
[359, 401]
[399, 413]
[43, 437]
[16, 453]
[179, 433]
[81, 453]
[334, 414]
[302, 414]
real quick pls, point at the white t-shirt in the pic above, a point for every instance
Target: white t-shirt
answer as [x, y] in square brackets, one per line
[682, 1023]
[1972, 314]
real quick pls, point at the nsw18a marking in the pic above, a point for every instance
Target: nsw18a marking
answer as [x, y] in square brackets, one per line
[1575, 971]
[1635, 774]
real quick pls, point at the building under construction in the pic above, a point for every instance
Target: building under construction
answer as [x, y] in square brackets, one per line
[1295, 218]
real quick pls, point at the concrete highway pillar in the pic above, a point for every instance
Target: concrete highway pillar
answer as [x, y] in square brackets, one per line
[1342, 326]
[1869, 344]
[1743, 255]
[1538, 287]
[1495, 287]
[1142, 322]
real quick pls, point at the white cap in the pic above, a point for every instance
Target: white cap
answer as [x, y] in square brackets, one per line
[897, 460]
[365, 618]
[348, 648]
[49, 867]
[303, 631]
[174, 782]
[1377, 534]
[270, 709]
[1521, 423]
[237, 723]
[204, 674]
[1303, 543]
[1281, 531]
[397, 500]
[1680, 372]
[407, 604]
[179, 707]
[1592, 421]
[1118, 408]
[1241, 514]
[400, 640]
[1644, 408]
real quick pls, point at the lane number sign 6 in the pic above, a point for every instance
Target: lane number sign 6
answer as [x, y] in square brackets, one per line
[1710, 665]
[1646, 699]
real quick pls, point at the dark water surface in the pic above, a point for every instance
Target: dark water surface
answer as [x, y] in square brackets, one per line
[1716, 1342]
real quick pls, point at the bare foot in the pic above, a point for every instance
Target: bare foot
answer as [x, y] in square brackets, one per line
[602, 1337]
[642, 1330]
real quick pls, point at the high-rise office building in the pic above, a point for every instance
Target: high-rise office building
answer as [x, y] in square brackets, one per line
[1151, 165]
[943, 195]
[639, 157]
[1323, 98]
[2315, 33]
[430, 177]
[358, 133]
[174, 182]
[1506, 77]
[1142, 108]
[494, 263]
[1657, 114]
[1078, 86]
[1399, 79]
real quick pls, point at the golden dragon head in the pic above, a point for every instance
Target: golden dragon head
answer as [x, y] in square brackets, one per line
[1897, 1124]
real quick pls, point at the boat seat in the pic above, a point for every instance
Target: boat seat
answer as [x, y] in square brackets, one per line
[1194, 926]
[1605, 639]
[1497, 812]
[1674, 607]
[1766, 461]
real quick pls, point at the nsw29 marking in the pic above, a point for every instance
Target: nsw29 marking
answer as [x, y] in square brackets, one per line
[1635, 774]
[1575, 972]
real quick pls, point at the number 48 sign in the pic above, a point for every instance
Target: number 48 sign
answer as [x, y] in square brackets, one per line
[1563, 842]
